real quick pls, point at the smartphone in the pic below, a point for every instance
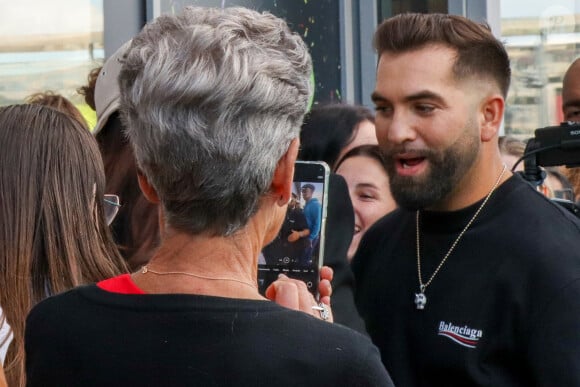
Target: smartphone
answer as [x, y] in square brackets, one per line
[298, 249]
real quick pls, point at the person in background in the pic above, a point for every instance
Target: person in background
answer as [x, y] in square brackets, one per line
[292, 241]
[58, 102]
[557, 185]
[365, 172]
[213, 100]
[88, 90]
[329, 131]
[573, 176]
[512, 150]
[54, 231]
[571, 92]
[554, 185]
[313, 215]
[571, 111]
[136, 227]
[474, 279]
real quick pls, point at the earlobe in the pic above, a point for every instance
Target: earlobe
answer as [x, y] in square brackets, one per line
[492, 115]
[147, 189]
[281, 186]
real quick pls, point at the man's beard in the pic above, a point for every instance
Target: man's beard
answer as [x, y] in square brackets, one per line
[446, 168]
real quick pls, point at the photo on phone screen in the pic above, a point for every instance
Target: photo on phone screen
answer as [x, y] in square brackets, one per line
[298, 249]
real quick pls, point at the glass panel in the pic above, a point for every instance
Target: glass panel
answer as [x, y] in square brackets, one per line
[49, 45]
[388, 8]
[316, 21]
[542, 40]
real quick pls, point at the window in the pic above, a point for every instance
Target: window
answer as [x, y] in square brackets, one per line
[49, 45]
[318, 23]
[542, 40]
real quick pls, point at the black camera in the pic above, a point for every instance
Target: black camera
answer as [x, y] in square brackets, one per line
[556, 145]
[553, 146]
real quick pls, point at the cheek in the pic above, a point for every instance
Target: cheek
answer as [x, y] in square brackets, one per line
[446, 129]
[370, 212]
[366, 213]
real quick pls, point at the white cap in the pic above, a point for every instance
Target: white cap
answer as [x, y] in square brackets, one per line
[107, 94]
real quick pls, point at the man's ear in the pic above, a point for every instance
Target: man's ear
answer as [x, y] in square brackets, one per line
[281, 187]
[492, 110]
[148, 191]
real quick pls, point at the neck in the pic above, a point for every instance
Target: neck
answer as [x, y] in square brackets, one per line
[218, 266]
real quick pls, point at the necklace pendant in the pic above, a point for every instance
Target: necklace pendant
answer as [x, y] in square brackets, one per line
[420, 300]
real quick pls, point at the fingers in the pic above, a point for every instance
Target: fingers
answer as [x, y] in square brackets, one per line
[324, 286]
[324, 289]
[326, 273]
[293, 294]
[305, 298]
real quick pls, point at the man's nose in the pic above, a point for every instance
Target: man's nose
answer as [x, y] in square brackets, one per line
[400, 129]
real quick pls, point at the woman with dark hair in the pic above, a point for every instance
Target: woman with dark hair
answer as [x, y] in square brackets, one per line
[365, 172]
[329, 131]
[54, 231]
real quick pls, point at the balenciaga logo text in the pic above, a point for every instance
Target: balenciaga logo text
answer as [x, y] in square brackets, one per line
[462, 335]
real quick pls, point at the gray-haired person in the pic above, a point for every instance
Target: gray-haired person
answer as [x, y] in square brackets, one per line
[213, 100]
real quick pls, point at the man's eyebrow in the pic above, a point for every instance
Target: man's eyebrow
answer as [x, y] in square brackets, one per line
[376, 97]
[424, 94]
[572, 103]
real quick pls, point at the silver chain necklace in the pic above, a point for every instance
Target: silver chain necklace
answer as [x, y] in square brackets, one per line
[420, 298]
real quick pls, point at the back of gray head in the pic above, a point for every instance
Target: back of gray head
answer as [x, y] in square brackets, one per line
[212, 99]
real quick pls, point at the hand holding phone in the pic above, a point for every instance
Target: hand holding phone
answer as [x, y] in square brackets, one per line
[293, 294]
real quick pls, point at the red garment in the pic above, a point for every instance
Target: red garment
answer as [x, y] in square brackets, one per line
[122, 284]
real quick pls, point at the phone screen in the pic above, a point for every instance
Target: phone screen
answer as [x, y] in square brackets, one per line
[298, 249]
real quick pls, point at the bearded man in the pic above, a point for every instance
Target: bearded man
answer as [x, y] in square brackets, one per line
[475, 279]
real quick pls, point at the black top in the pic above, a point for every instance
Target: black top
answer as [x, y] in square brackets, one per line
[91, 337]
[504, 310]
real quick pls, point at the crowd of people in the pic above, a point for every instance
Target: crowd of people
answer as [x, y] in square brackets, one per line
[129, 255]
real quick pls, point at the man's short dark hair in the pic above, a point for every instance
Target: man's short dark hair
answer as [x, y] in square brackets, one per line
[308, 186]
[479, 53]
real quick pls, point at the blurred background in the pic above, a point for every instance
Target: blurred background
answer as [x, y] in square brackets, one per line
[53, 45]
